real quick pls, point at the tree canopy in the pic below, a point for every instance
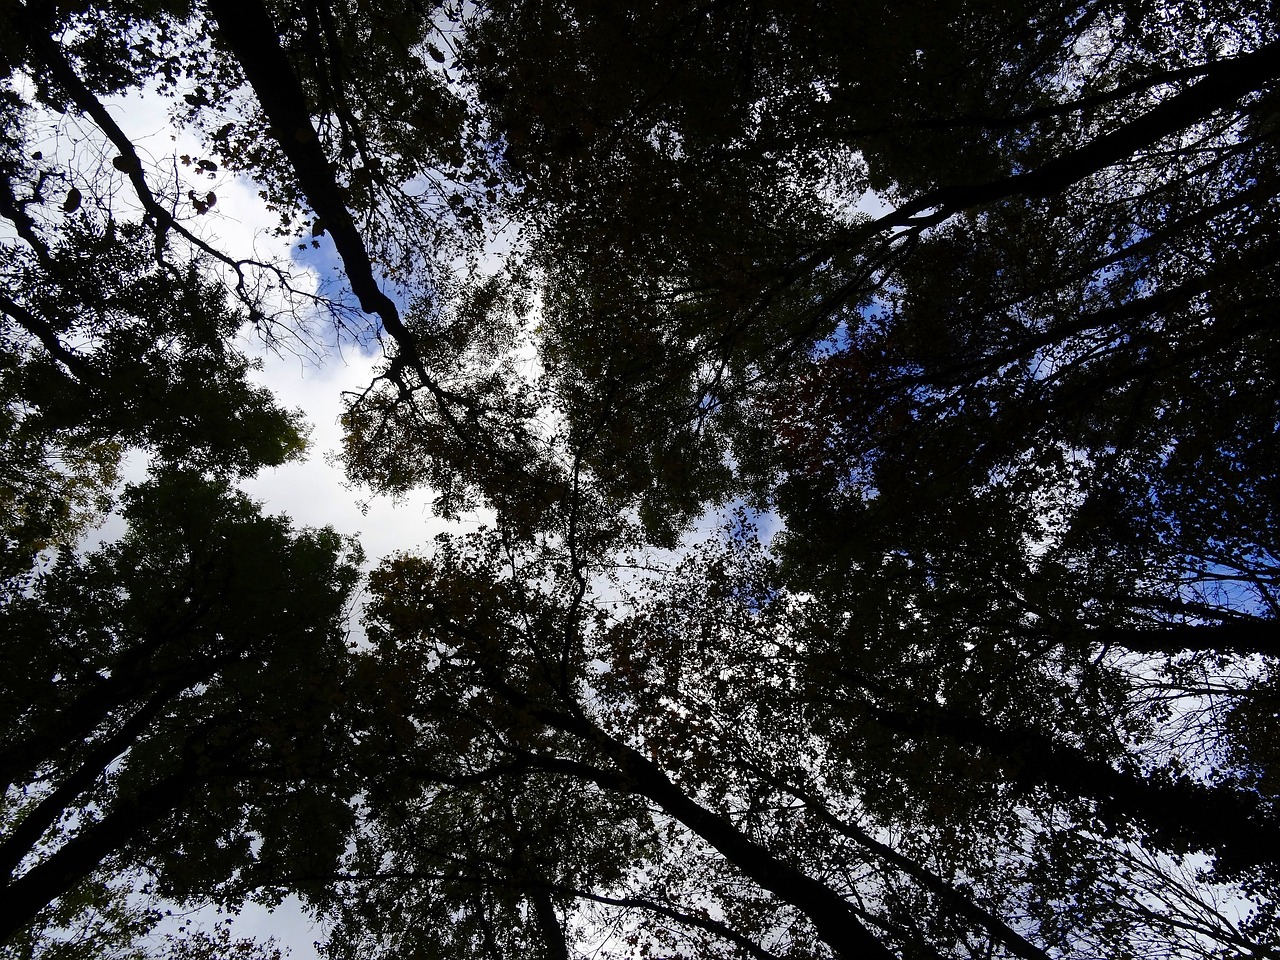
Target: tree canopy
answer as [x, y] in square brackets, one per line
[876, 411]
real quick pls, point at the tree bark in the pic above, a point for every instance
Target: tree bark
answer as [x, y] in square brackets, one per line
[1224, 85]
[25, 897]
[1179, 815]
[549, 925]
[77, 719]
[962, 905]
[1241, 636]
[247, 29]
[38, 821]
[831, 915]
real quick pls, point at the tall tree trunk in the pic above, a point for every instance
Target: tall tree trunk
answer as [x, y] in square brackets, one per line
[249, 32]
[549, 925]
[1223, 85]
[1240, 636]
[1179, 814]
[80, 856]
[831, 915]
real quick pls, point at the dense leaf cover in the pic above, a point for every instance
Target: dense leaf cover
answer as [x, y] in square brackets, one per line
[878, 414]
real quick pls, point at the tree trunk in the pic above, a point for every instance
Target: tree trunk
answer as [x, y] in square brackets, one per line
[1179, 815]
[831, 915]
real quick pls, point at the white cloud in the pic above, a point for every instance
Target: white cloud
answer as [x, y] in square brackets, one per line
[314, 492]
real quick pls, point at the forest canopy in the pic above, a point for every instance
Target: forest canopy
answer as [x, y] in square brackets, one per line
[876, 416]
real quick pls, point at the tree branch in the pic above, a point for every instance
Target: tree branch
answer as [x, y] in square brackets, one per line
[1223, 86]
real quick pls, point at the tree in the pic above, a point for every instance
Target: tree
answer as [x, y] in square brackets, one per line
[144, 731]
[986, 417]
[987, 689]
[730, 710]
[138, 690]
